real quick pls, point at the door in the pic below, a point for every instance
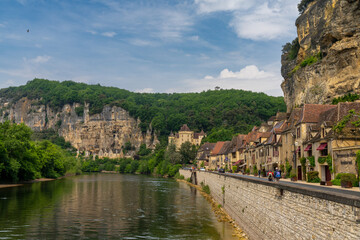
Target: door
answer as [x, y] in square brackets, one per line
[327, 173]
[299, 173]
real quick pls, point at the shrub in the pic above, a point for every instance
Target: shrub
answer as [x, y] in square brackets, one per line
[293, 174]
[79, 111]
[288, 168]
[309, 61]
[234, 168]
[348, 177]
[303, 5]
[311, 161]
[255, 170]
[205, 188]
[188, 180]
[321, 160]
[313, 177]
[247, 170]
[291, 49]
[336, 182]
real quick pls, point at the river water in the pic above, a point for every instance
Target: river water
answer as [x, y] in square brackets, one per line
[108, 206]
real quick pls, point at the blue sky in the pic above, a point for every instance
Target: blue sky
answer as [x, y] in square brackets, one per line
[147, 45]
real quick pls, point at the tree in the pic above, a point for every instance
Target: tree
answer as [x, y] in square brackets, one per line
[188, 152]
[171, 155]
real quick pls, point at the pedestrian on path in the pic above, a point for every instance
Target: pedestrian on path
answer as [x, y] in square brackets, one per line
[259, 172]
[277, 174]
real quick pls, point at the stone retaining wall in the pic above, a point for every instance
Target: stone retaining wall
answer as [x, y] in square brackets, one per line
[270, 211]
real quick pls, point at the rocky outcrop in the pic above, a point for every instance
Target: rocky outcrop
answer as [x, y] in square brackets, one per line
[327, 28]
[102, 135]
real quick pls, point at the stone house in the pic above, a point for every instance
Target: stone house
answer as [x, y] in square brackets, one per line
[203, 155]
[186, 135]
[214, 159]
[223, 155]
[309, 117]
[341, 147]
[272, 147]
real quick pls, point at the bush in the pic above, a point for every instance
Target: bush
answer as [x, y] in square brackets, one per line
[309, 61]
[303, 5]
[313, 177]
[336, 182]
[234, 169]
[348, 177]
[188, 180]
[291, 49]
[205, 188]
[255, 170]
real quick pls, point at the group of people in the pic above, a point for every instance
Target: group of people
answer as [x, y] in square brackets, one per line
[273, 175]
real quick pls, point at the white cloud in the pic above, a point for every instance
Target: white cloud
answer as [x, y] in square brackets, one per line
[145, 90]
[30, 68]
[141, 43]
[92, 32]
[208, 6]
[40, 59]
[249, 78]
[108, 34]
[262, 20]
[159, 22]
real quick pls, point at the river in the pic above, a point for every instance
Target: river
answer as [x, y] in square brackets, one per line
[108, 206]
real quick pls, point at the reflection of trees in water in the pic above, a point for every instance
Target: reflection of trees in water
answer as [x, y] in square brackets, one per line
[27, 204]
[114, 205]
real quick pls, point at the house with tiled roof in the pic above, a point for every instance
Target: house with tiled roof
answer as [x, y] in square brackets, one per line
[203, 155]
[186, 135]
[214, 159]
[341, 146]
[309, 116]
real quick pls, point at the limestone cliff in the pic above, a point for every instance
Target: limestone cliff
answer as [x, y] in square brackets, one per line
[102, 135]
[330, 29]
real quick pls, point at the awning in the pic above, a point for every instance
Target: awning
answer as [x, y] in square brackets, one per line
[308, 148]
[322, 146]
[236, 163]
[298, 149]
[242, 165]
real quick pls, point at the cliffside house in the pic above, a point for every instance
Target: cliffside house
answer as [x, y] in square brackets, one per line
[186, 135]
[333, 151]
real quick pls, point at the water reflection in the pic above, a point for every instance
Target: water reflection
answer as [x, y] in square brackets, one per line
[108, 206]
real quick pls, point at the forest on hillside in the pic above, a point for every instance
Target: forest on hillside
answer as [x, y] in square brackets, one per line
[235, 110]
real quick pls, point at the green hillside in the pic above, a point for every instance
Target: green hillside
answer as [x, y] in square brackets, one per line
[236, 110]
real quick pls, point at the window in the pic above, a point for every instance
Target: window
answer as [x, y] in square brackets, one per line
[298, 132]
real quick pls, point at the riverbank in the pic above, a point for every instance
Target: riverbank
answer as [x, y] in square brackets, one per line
[219, 211]
[7, 185]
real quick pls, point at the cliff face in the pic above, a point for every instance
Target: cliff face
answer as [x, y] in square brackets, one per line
[102, 135]
[330, 28]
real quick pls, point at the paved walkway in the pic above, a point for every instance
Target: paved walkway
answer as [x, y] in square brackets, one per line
[355, 191]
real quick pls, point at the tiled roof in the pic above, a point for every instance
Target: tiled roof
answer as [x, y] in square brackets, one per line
[281, 116]
[311, 112]
[217, 148]
[207, 147]
[226, 148]
[293, 118]
[185, 128]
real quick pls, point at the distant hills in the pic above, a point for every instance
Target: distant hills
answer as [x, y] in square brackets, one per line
[235, 110]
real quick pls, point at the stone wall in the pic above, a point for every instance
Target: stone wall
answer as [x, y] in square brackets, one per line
[267, 210]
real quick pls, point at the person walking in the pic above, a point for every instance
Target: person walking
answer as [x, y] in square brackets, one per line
[277, 174]
[270, 176]
[259, 173]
